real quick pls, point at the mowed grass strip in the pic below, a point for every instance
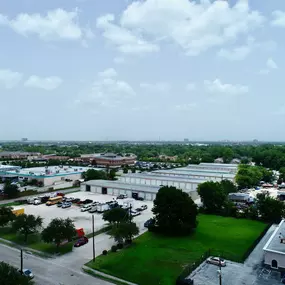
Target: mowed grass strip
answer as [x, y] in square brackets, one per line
[154, 259]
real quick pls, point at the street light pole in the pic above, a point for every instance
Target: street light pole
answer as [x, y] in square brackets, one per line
[21, 256]
[93, 238]
[220, 271]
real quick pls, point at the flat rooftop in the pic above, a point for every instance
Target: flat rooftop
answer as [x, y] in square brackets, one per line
[122, 185]
[51, 171]
[274, 244]
[7, 167]
[183, 171]
[152, 176]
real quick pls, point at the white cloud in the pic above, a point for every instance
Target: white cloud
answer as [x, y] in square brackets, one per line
[46, 83]
[125, 40]
[55, 25]
[9, 79]
[155, 87]
[119, 60]
[195, 27]
[185, 107]
[217, 86]
[190, 86]
[278, 19]
[108, 73]
[107, 91]
[270, 66]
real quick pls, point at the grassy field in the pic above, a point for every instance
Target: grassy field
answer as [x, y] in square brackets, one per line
[154, 259]
[34, 242]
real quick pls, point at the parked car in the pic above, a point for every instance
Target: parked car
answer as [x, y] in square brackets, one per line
[216, 261]
[86, 208]
[59, 204]
[122, 196]
[28, 273]
[93, 209]
[135, 213]
[81, 242]
[60, 194]
[87, 201]
[141, 208]
[66, 205]
[37, 202]
[149, 223]
[140, 198]
[76, 200]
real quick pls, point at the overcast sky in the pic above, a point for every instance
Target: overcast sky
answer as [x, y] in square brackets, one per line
[138, 70]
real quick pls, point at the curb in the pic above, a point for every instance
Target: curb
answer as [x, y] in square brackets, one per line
[28, 250]
[104, 275]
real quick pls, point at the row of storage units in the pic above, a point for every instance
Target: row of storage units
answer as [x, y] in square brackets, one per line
[116, 188]
[231, 168]
[186, 173]
[162, 180]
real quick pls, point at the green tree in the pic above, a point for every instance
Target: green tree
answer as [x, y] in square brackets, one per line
[228, 186]
[116, 215]
[124, 231]
[270, 209]
[92, 174]
[58, 231]
[11, 190]
[125, 170]
[6, 216]
[9, 275]
[212, 196]
[27, 224]
[175, 212]
[112, 174]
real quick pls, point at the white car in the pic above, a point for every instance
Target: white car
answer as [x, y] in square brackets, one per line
[28, 273]
[216, 261]
[135, 213]
[86, 208]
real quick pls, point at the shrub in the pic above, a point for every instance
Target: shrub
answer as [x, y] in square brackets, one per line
[120, 245]
[104, 252]
[114, 248]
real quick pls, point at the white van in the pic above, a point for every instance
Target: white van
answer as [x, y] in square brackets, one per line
[86, 208]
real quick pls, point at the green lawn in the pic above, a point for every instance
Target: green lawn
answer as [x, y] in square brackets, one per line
[34, 242]
[154, 259]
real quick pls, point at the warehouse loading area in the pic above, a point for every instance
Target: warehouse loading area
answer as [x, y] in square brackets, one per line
[84, 219]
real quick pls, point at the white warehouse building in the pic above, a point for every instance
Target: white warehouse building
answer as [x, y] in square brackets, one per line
[274, 249]
[116, 188]
[197, 174]
[230, 168]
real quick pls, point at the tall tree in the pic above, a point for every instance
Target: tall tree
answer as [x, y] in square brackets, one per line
[6, 216]
[124, 231]
[116, 215]
[11, 190]
[112, 174]
[212, 196]
[228, 186]
[175, 212]
[9, 275]
[270, 209]
[58, 231]
[27, 224]
[92, 174]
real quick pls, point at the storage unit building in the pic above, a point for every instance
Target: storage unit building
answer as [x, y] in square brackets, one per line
[196, 174]
[274, 249]
[231, 168]
[116, 188]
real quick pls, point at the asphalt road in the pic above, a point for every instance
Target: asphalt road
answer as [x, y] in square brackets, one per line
[48, 271]
[6, 201]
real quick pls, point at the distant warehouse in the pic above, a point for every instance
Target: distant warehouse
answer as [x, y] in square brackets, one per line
[231, 168]
[196, 174]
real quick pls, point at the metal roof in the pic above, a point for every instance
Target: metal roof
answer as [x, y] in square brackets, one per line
[122, 185]
[180, 171]
[274, 244]
[151, 176]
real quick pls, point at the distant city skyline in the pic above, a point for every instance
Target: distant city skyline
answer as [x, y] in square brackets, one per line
[113, 70]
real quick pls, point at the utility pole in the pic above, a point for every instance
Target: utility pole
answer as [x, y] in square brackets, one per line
[21, 256]
[220, 271]
[93, 238]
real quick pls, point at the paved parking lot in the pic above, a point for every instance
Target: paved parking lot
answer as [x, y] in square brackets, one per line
[84, 219]
[251, 272]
